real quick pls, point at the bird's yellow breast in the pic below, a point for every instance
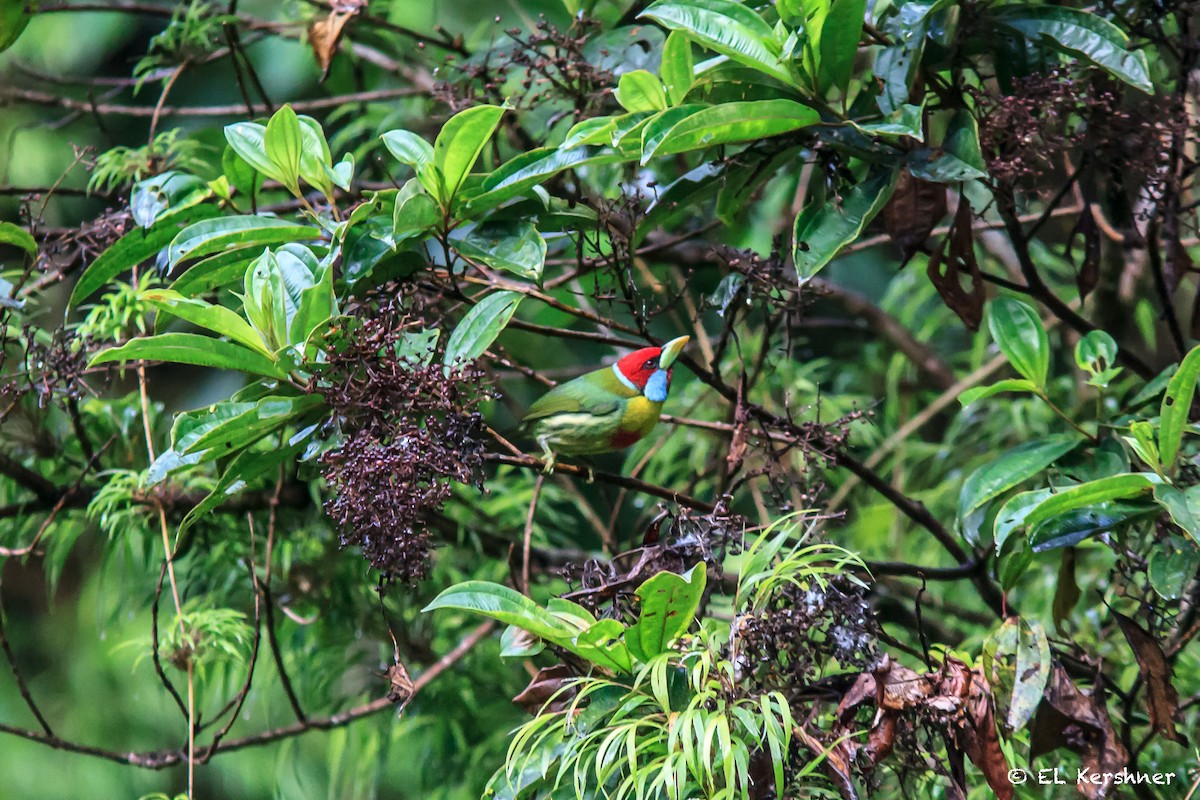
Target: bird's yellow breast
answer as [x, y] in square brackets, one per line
[641, 415]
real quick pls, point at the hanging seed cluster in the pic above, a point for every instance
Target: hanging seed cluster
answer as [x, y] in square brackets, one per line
[410, 431]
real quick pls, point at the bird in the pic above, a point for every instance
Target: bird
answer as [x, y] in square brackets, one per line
[607, 409]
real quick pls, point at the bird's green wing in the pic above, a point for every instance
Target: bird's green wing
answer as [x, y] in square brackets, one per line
[584, 395]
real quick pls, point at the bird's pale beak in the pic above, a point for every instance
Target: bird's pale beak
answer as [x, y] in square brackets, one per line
[671, 351]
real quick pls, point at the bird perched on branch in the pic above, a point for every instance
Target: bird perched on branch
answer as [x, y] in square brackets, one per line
[605, 410]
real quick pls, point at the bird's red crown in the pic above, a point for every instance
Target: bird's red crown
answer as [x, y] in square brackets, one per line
[639, 365]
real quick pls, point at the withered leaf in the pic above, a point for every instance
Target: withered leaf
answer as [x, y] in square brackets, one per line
[836, 761]
[957, 256]
[536, 698]
[400, 685]
[324, 34]
[1156, 672]
[915, 208]
[1079, 722]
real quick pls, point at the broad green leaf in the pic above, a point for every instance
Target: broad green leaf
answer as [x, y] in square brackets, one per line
[1079, 34]
[1006, 385]
[414, 214]
[1142, 441]
[1017, 661]
[730, 123]
[962, 141]
[283, 143]
[1012, 468]
[668, 606]
[258, 420]
[1172, 566]
[1072, 527]
[316, 162]
[516, 643]
[133, 248]
[638, 90]
[514, 247]
[220, 235]
[408, 148]
[1014, 512]
[823, 229]
[1116, 487]
[212, 273]
[317, 305]
[1184, 507]
[248, 141]
[727, 27]
[218, 319]
[530, 169]
[479, 328]
[1096, 353]
[17, 236]
[840, 32]
[1176, 406]
[681, 197]
[191, 348]
[905, 121]
[246, 466]
[459, 144]
[503, 605]
[601, 644]
[186, 429]
[1019, 333]
[593, 130]
[677, 69]
[655, 129]
[171, 191]
[14, 17]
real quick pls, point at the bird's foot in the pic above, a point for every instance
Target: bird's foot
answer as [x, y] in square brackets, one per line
[550, 462]
[591, 476]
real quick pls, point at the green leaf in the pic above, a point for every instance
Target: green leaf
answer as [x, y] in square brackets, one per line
[191, 348]
[218, 319]
[677, 69]
[132, 249]
[1172, 566]
[1072, 527]
[1116, 487]
[479, 328]
[514, 247]
[212, 273]
[408, 148]
[1014, 467]
[459, 144]
[962, 141]
[248, 141]
[1006, 385]
[727, 27]
[1096, 353]
[668, 606]
[246, 466]
[518, 176]
[601, 644]
[503, 605]
[1184, 507]
[655, 129]
[1176, 406]
[1022, 338]
[283, 143]
[1014, 512]
[17, 236]
[316, 162]
[256, 421]
[1079, 34]
[839, 43]
[730, 123]
[905, 121]
[170, 191]
[638, 90]
[1017, 660]
[823, 229]
[317, 306]
[223, 234]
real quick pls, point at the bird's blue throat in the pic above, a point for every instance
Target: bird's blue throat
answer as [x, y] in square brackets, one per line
[656, 387]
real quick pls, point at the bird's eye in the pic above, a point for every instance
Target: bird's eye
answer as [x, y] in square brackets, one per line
[649, 364]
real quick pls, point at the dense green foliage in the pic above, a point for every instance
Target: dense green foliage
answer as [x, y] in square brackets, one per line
[923, 517]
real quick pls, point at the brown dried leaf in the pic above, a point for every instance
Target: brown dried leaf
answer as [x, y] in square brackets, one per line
[836, 761]
[544, 686]
[1077, 721]
[324, 35]
[400, 685]
[915, 208]
[959, 262]
[1156, 672]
